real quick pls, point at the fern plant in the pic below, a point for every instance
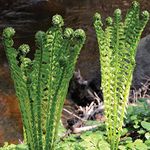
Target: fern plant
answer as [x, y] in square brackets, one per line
[117, 46]
[41, 84]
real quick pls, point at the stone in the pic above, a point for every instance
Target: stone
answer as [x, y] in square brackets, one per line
[10, 117]
[26, 17]
[10, 120]
[142, 70]
[78, 16]
[83, 92]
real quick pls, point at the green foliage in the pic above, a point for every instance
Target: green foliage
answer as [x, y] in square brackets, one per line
[41, 84]
[21, 147]
[137, 145]
[131, 138]
[117, 45]
[14, 147]
[138, 120]
[90, 140]
[145, 125]
[8, 147]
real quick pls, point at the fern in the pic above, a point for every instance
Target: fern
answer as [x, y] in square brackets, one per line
[41, 84]
[117, 45]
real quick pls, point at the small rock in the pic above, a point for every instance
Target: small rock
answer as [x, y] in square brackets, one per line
[142, 70]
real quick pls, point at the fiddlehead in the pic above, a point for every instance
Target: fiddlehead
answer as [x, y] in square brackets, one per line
[41, 84]
[117, 46]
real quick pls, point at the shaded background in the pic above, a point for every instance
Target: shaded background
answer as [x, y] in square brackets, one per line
[27, 17]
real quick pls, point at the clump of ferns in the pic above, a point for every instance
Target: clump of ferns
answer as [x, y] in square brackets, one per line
[117, 46]
[41, 84]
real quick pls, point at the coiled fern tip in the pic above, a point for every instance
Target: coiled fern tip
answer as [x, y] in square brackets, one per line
[57, 20]
[8, 32]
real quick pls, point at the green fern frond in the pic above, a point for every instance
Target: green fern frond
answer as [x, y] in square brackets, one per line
[117, 46]
[19, 82]
[41, 84]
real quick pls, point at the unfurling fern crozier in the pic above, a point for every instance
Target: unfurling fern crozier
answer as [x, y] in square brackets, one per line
[41, 84]
[117, 45]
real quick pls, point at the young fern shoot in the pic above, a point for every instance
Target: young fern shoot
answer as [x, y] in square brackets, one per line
[41, 84]
[117, 46]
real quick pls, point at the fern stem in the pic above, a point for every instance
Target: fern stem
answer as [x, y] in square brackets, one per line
[53, 117]
[38, 60]
[117, 18]
[19, 82]
[124, 105]
[51, 101]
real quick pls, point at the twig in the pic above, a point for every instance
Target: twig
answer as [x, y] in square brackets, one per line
[141, 92]
[83, 129]
[71, 113]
